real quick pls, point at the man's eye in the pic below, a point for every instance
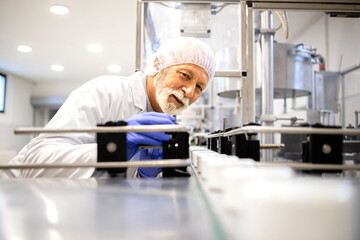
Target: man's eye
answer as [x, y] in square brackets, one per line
[199, 87]
[185, 75]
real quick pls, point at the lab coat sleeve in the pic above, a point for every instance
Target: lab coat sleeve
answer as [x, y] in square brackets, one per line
[85, 107]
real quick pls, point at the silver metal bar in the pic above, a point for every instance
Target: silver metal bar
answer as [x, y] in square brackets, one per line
[244, 23]
[294, 130]
[267, 60]
[224, 123]
[248, 85]
[272, 146]
[194, 1]
[143, 163]
[313, 97]
[310, 1]
[251, 112]
[267, 78]
[287, 130]
[307, 6]
[235, 74]
[111, 129]
[349, 70]
[309, 166]
[343, 122]
[149, 147]
[243, 37]
[138, 34]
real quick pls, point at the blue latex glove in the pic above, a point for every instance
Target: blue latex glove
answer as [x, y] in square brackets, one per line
[135, 139]
[150, 154]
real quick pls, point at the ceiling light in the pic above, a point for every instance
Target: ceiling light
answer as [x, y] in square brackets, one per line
[59, 9]
[114, 68]
[24, 48]
[57, 68]
[95, 48]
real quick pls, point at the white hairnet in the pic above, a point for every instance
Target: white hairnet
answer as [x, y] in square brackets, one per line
[182, 50]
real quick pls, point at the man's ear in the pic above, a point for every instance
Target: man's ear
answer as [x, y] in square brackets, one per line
[156, 63]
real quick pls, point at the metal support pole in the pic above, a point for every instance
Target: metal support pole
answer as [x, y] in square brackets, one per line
[343, 123]
[356, 119]
[267, 77]
[139, 19]
[313, 103]
[248, 86]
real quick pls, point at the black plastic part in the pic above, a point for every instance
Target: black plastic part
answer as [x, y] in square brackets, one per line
[214, 144]
[245, 148]
[112, 147]
[225, 145]
[176, 148]
[314, 149]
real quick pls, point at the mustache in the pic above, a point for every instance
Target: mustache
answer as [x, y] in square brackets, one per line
[180, 96]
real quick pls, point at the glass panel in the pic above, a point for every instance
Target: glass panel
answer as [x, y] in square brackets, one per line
[218, 25]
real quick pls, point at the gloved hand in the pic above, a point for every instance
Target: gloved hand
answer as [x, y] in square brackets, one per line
[150, 154]
[134, 139]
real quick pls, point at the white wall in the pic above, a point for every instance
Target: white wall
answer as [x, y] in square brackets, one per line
[56, 89]
[344, 35]
[18, 113]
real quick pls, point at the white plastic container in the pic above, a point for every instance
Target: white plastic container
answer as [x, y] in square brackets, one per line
[215, 171]
[311, 209]
[194, 152]
[234, 180]
[202, 158]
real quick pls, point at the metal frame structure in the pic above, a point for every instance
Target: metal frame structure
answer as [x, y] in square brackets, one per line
[247, 59]
[327, 5]
[248, 89]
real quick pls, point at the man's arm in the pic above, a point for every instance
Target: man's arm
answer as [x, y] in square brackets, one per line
[86, 106]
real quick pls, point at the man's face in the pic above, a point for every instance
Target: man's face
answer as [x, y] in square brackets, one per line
[179, 86]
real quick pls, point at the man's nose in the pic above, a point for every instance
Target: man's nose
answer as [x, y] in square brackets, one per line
[189, 90]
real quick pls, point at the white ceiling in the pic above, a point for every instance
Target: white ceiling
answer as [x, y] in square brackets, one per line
[63, 39]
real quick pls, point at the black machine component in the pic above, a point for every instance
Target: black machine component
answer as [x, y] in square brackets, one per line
[112, 148]
[292, 144]
[225, 144]
[213, 143]
[219, 144]
[244, 145]
[323, 149]
[177, 147]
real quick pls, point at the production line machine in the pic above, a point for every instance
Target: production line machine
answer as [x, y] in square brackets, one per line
[211, 193]
[224, 190]
[320, 144]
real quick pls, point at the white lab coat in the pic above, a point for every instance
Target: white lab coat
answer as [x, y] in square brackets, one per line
[103, 99]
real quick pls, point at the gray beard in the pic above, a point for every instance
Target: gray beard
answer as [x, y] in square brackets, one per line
[162, 96]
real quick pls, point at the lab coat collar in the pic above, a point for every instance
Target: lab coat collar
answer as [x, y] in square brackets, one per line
[138, 88]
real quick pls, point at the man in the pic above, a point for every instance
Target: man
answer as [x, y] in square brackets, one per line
[177, 75]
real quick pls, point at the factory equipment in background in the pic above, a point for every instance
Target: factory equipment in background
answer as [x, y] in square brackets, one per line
[253, 70]
[293, 73]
